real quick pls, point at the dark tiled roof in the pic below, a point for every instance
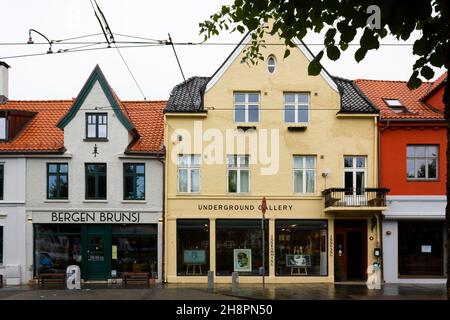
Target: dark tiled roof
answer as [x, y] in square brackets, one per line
[187, 96]
[352, 99]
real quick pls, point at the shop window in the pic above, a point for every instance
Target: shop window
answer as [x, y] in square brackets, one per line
[238, 173]
[246, 107]
[192, 247]
[57, 181]
[301, 248]
[1, 244]
[296, 107]
[422, 162]
[304, 174]
[239, 247]
[421, 248]
[134, 249]
[189, 173]
[95, 181]
[96, 125]
[134, 181]
[55, 249]
[2, 180]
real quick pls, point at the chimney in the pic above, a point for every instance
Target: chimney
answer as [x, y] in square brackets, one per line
[3, 82]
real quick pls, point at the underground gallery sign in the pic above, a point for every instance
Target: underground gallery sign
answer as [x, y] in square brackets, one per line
[90, 217]
[219, 207]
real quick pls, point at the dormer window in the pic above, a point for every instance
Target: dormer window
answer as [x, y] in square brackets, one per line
[96, 125]
[271, 64]
[395, 105]
[3, 128]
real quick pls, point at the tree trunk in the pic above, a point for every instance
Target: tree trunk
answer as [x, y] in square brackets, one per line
[447, 117]
[447, 208]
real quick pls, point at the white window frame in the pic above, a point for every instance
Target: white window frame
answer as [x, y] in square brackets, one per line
[304, 169]
[4, 133]
[246, 105]
[237, 167]
[190, 166]
[269, 65]
[354, 170]
[424, 158]
[297, 106]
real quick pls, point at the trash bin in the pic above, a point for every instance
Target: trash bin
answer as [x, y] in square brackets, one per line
[73, 277]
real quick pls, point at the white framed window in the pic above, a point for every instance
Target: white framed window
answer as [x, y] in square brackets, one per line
[96, 125]
[296, 107]
[3, 134]
[395, 105]
[238, 168]
[246, 106]
[189, 173]
[304, 174]
[422, 162]
[355, 173]
[271, 64]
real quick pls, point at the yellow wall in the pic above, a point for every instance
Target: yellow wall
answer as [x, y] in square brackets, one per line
[327, 136]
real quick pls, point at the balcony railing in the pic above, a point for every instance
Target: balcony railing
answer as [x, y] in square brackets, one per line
[348, 197]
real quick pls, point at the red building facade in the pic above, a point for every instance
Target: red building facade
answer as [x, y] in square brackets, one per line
[412, 142]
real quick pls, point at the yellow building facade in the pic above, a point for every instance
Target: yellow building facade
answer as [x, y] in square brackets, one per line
[308, 144]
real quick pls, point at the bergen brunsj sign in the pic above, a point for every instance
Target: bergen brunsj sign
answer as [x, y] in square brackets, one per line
[90, 217]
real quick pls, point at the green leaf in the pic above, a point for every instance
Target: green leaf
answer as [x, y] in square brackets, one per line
[360, 54]
[414, 82]
[287, 52]
[333, 53]
[437, 58]
[314, 66]
[427, 72]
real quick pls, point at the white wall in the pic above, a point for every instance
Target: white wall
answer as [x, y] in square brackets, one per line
[13, 221]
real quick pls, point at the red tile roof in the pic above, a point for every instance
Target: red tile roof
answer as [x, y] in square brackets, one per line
[435, 85]
[42, 135]
[148, 119]
[377, 90]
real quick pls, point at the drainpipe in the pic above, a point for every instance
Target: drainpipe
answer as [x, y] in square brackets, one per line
[380, 225]
[163, 264]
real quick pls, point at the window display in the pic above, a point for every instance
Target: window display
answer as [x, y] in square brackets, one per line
[301, 247]
[239, 247]
[192, 247]
[56, 248]
[421, 248]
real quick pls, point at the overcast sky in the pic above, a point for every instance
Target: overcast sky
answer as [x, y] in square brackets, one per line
[61, 76]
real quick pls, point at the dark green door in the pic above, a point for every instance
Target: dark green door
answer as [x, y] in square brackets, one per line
[97, 252]
[96, 256]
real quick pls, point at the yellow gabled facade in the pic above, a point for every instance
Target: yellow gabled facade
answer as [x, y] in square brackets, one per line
[301, 230]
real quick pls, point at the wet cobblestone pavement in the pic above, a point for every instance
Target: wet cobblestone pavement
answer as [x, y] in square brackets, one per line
[225, 292]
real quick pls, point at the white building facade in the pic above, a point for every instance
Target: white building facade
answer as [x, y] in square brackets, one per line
[83, 186]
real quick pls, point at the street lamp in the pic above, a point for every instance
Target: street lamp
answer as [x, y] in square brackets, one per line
[30, 40]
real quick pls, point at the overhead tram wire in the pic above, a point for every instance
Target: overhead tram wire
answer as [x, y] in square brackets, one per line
[181, 70]
[107, 32]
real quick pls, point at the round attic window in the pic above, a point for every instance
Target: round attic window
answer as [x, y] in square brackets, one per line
[271, 64]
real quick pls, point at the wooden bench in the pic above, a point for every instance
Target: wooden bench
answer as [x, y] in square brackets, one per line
[48, 279]
[136, 278]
